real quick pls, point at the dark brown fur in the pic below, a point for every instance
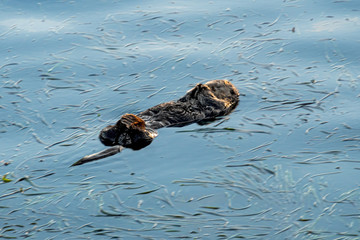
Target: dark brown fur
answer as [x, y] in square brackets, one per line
[201, 103]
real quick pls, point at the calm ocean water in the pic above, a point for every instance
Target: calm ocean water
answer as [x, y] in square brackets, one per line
[283, 165]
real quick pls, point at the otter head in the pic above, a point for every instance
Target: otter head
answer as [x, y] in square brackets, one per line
[220, 97]
[218, 89]
[130, 131]
[224, 90]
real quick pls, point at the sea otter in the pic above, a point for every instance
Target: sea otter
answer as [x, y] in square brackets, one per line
[204, 102]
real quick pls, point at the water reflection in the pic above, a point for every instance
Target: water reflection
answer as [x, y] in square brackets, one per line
[33, 25]
[336, 25]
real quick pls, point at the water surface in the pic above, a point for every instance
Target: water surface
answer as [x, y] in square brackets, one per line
[283, 165]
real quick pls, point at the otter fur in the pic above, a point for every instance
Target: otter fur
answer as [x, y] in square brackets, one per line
[204, 102]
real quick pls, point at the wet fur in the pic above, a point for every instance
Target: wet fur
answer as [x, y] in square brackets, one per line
[201, 103]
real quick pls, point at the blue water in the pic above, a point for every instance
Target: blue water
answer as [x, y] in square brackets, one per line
[288, 169]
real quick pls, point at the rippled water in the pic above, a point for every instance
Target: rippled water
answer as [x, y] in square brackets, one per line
[283, 165]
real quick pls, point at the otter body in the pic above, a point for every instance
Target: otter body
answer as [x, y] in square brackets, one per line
[201, 103]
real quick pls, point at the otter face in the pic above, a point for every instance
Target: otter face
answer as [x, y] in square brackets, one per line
[224, 90]
[130, 131]
[216, 89]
